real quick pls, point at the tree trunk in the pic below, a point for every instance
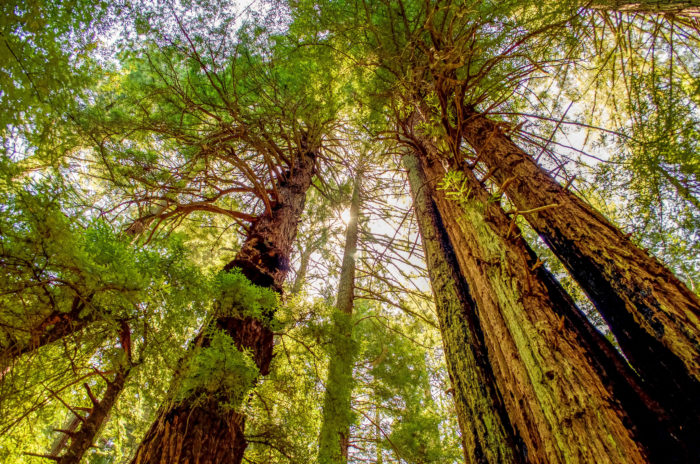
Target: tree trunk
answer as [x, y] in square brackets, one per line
[558, 402]
[668, 7]
[84, 438]
[334, 437]
[487, 434]
[300, 278]
[193, 430]
[653, 315]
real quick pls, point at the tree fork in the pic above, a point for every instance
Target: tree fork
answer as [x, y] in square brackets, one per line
[653, 315]
[84, 438]
[52, 328]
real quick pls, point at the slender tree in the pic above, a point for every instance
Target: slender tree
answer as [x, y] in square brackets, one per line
[84, 437]
[334, 437]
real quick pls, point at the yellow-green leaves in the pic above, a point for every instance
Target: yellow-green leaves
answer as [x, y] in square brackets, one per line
[219, 370]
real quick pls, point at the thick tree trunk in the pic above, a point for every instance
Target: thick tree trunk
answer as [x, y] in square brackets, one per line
[193, 430]
[487, 434]
[84, 437]
[334, 437]
[562, 407]
[654, 316]
[681, 8]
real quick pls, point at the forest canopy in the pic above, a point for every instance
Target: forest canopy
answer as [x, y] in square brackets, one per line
[349, 231]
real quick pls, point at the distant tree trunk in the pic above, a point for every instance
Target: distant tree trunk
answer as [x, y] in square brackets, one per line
[653, 315]
[82, 439]
[334, 437]
[681, 8]
[487, 434]
[193, 430]
[561, 406]
[300, 278]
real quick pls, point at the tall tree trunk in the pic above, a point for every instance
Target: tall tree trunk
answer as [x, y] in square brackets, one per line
[653, 315]
[206, 431]
[561, 406]
[487, 434]
[334, 437]
[681, 8]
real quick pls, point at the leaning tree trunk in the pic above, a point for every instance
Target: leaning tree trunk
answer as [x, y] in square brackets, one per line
[561, 406]
[487, 434]
[83, 438]
[334, 437]
[202, 429]
[667, 7]
[653, 315]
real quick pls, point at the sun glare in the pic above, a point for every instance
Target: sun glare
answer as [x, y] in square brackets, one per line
[345, 216]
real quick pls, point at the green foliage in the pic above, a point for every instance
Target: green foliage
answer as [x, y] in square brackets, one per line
[134, 160]
[236, 296]
[218, 370]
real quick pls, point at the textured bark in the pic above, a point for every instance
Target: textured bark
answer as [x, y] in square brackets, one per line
[654, 316]
[84, 438]
[667, 7]
[562, 407]
[196, 431]
[334, 438]
[487, 434]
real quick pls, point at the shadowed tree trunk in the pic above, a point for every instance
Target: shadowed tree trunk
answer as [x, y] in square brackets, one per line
[561, 406]
[82, 431]
[653, 315]
[487, 434]
[334, 437]
[205, 430]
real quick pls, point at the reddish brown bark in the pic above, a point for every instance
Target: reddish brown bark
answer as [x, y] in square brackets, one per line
[196, 431]
[562, 406]
[487, 433]
[654, 316]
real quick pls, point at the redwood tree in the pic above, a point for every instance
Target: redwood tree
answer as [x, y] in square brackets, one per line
[487, 433]
[653, 315]
[539, 359]
[205, 425]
